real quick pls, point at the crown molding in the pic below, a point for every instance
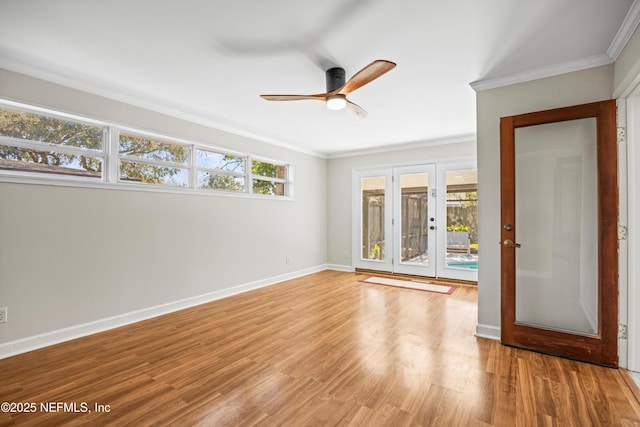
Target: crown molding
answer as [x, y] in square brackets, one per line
[622, 37]
[626, 30]
[404, 146]
[542, 72]
[77, 82]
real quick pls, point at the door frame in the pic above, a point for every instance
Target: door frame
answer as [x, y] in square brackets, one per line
[633, 240]
[602, 348]
[438, 169]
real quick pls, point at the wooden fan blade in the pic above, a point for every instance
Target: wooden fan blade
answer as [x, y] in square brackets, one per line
[366, 75]
[319, 97]
[355, 111]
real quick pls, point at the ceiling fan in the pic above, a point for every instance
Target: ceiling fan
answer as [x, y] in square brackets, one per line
[337, 89]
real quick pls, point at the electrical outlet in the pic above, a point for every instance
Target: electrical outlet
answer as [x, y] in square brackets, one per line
[3, 314]
[347, 254]
[287, 260]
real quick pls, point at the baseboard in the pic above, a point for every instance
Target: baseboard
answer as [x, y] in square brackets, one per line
[632, 380]
[487, 331]
[636, 377]
[339, 267]
[35, 342]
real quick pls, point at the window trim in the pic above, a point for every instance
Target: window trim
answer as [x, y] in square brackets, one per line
[111, 159]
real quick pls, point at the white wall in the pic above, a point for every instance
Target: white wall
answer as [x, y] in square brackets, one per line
[339, 187]
[580, 87]
[71, 256]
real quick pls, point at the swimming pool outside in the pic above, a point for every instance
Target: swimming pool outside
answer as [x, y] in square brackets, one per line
[467, 261]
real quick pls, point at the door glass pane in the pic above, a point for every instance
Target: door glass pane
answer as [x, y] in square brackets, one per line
[557, 224]
[373, 238]
[462, 219]
[414, 218]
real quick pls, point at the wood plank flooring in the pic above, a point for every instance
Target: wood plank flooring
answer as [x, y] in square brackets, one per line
[322, 350]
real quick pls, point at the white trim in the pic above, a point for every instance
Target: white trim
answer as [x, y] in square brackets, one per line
[112, 159]
[38, 109]
[633, 223]
[80, 182]
[623, 220]
[626, 30]
[488, 331]
[542, 72]
[338, 267]
[405, 146]
[631, 82]
[46, 339]
[72, 80]
[636, 377]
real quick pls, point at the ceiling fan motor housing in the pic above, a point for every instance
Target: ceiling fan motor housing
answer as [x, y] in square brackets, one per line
[335, 78]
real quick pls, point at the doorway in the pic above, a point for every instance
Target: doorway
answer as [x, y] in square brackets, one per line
[418, 219]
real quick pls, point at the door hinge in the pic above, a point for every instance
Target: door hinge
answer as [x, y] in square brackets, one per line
[622, 331]
[622, 232]
[622, 135]
[433, 192]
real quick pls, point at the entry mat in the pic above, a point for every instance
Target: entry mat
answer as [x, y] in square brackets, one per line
[411, 284]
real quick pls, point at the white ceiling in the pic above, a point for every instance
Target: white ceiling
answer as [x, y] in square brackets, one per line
[208, 61]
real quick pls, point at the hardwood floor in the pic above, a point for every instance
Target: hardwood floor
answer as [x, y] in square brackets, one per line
[321, 350]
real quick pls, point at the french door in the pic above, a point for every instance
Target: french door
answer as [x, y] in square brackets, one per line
[414, 220]
[419, 220]
[559, 253]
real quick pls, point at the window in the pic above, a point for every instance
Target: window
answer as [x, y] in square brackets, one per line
[150, 161]
[268, 178]
[219, 171]
[35, 142]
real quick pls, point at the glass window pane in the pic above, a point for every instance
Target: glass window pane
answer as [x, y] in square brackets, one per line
[213, 160]
[268, 169]
[41, 128]
[219, 181]
[154, 174]
[373, 238]
[462, 219]
[557, 226]
[268, 187]
[147, 148]
[46, 161]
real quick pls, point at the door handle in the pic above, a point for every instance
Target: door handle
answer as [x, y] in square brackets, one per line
[508, 243]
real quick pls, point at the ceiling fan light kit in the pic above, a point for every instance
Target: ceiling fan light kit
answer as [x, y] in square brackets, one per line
[337, 89]
[336, 102]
